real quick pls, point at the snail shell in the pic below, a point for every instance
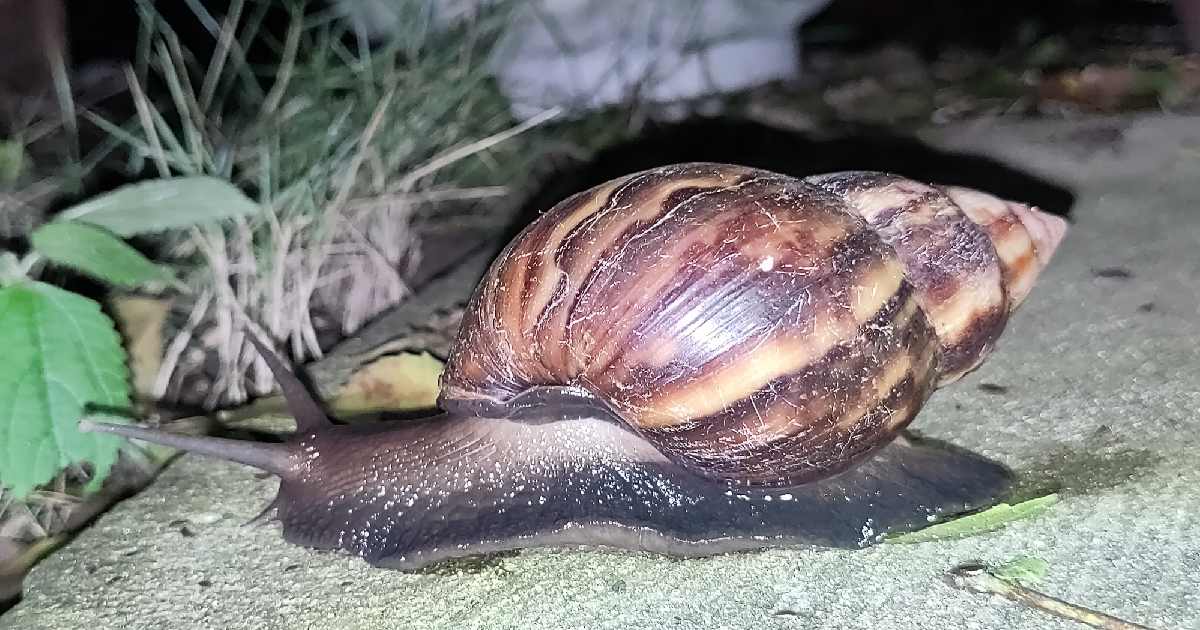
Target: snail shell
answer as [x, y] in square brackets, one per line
[692, 359]
[754, 327]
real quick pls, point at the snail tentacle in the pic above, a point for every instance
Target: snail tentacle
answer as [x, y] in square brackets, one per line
[272, 458]
[305, 408]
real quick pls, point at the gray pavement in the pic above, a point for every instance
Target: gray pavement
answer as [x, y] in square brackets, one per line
[1101, 378]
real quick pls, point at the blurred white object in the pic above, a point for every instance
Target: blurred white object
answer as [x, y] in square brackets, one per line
[584, 54]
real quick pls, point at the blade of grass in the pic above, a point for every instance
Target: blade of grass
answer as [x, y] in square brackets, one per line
[454, 155]
[148, 18]
[126, 137]
[192, 135]
[286, 65]
[225, 43]
[191, 118]
[142, 105]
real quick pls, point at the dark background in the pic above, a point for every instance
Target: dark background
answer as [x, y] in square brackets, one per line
[108, 29]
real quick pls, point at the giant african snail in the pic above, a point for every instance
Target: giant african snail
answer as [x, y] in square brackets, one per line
[692, 359]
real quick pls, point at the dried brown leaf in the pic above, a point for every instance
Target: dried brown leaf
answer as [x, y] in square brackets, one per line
[399, 382]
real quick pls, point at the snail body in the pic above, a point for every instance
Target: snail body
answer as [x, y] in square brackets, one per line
[690, 360]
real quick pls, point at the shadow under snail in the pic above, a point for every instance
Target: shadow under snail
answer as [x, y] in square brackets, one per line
[689, 360]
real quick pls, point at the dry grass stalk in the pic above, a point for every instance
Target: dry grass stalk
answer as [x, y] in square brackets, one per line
[342, 149]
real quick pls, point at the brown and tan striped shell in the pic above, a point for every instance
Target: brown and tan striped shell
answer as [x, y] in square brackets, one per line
[753, 326]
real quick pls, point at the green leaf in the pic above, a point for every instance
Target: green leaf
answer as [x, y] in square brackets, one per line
[1024, 570]
[981, 522]
[61, 355]
[97, 253]
[163, 204]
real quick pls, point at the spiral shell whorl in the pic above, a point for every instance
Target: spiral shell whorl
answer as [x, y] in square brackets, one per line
[1023, 238]
[948, 258]
[748, 323]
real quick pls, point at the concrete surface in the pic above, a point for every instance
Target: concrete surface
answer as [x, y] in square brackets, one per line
[1102, 370]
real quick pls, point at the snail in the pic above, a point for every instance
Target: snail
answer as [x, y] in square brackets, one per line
[689, 360]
